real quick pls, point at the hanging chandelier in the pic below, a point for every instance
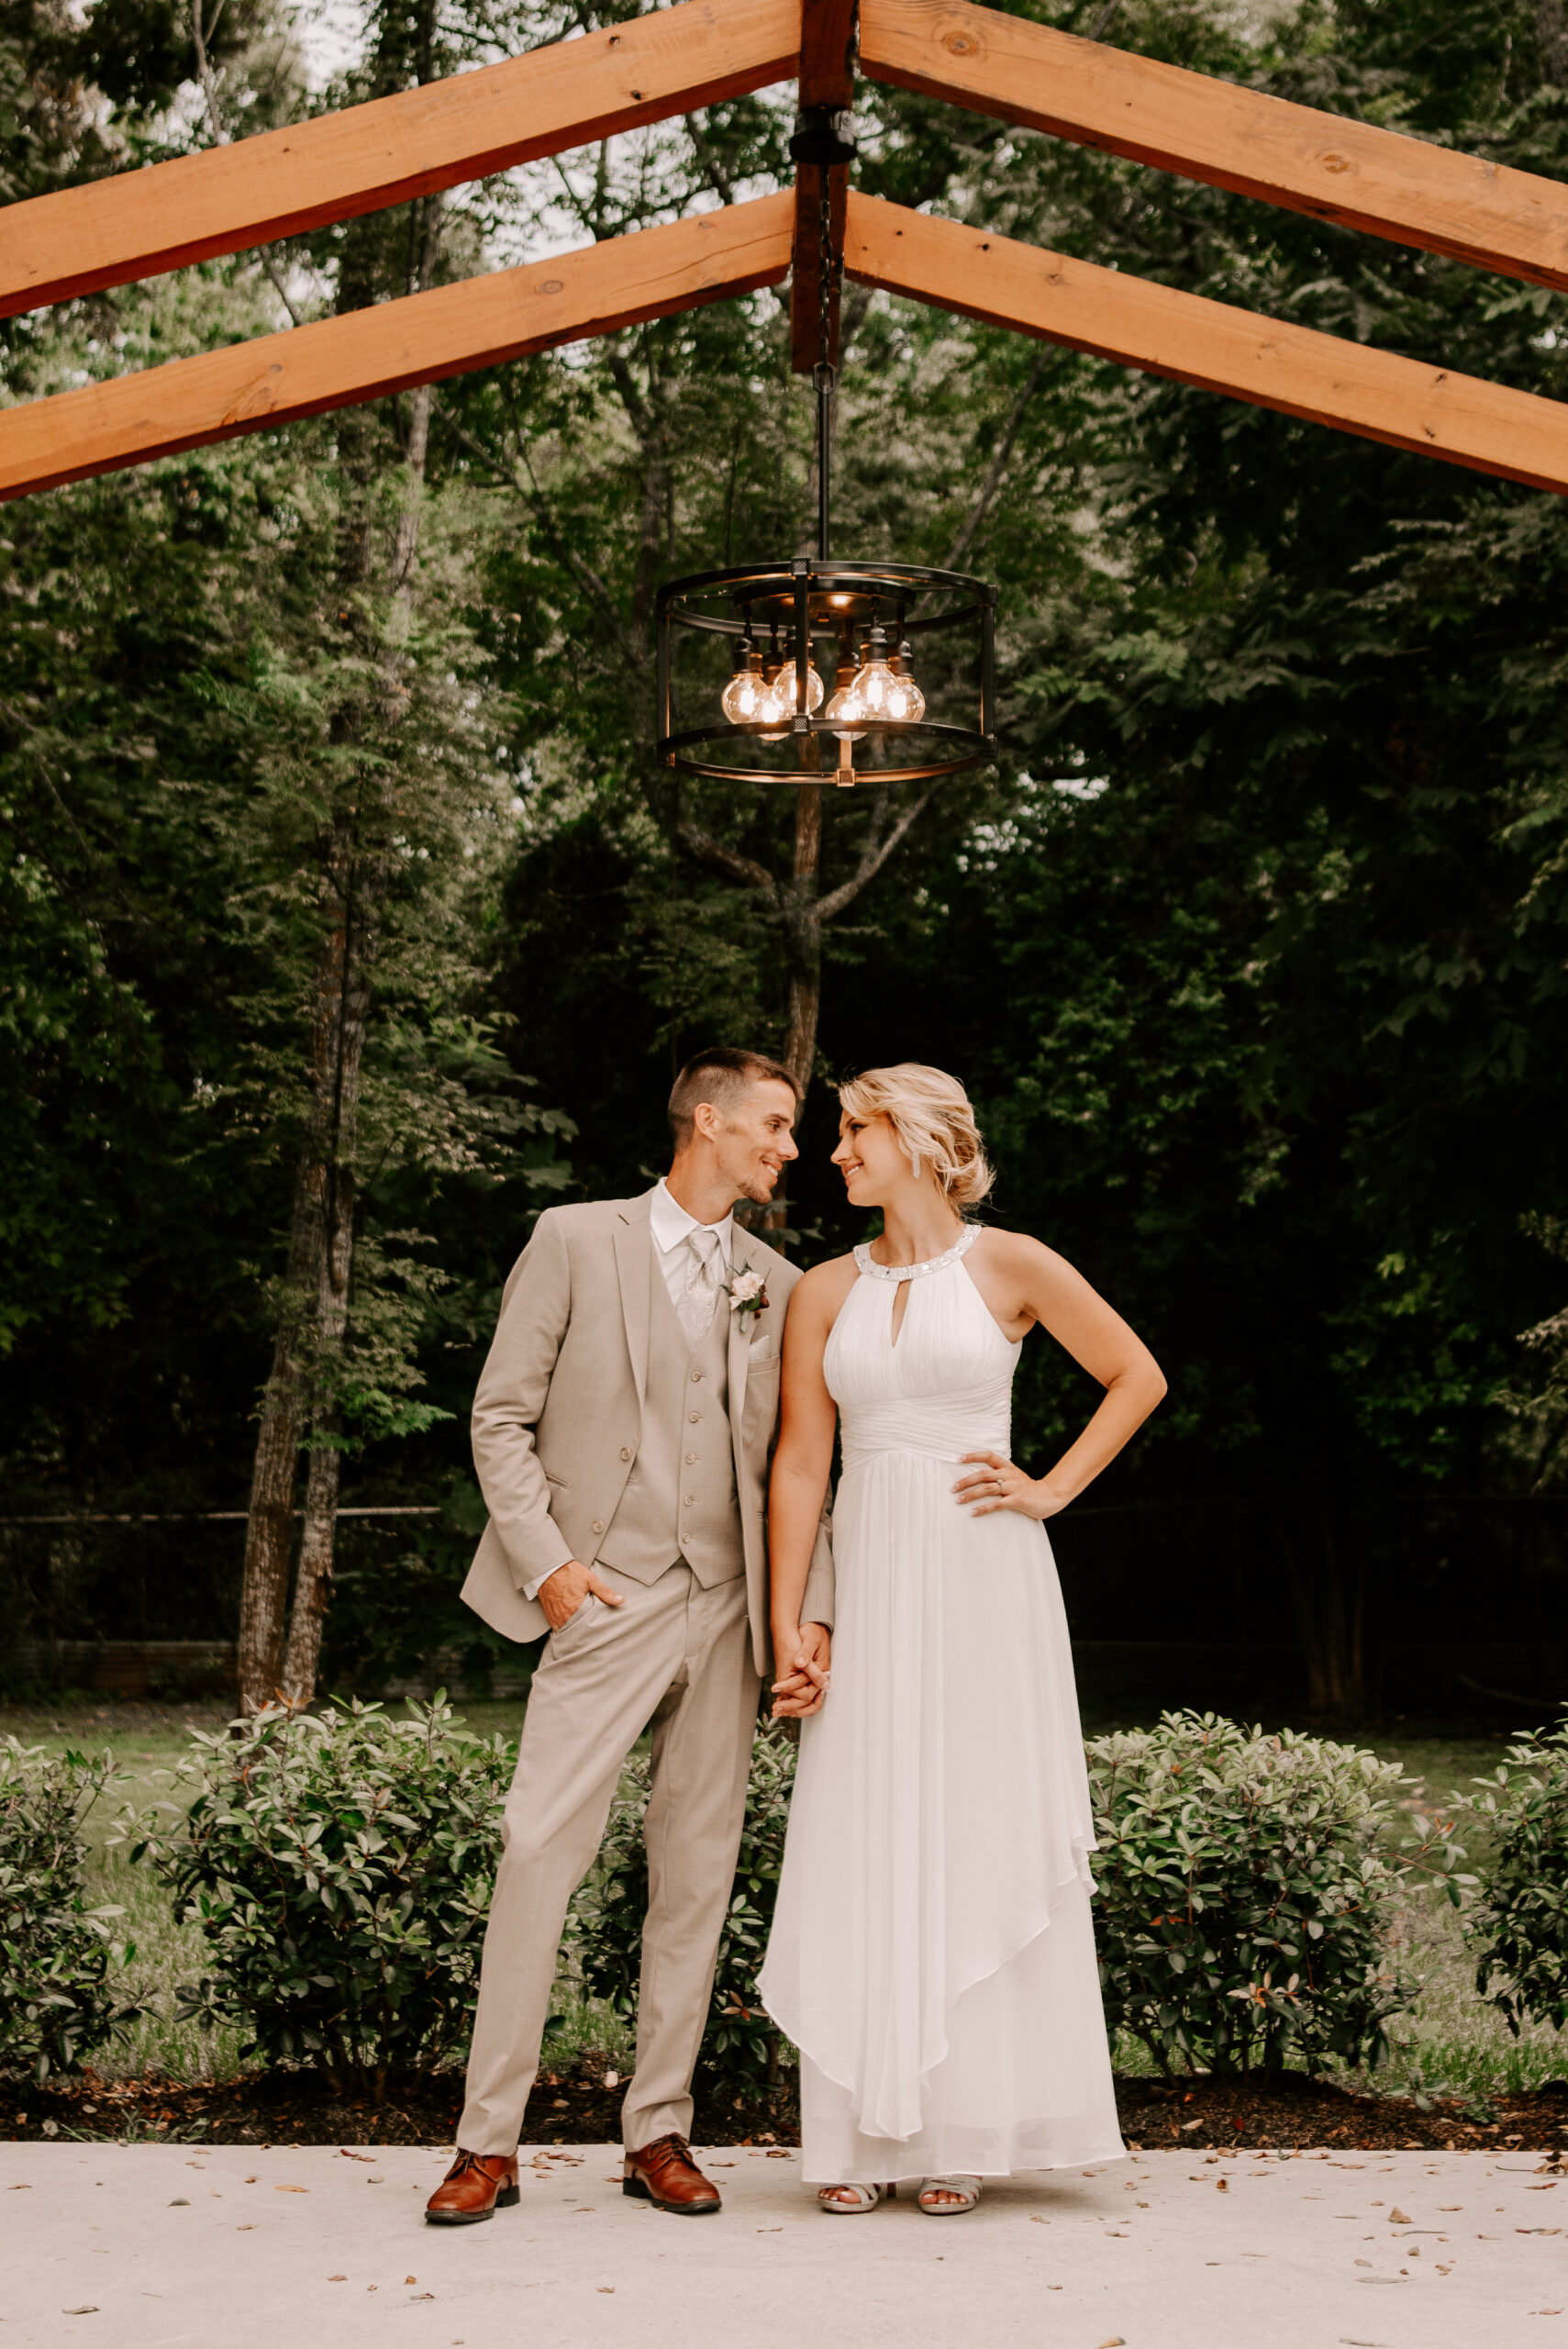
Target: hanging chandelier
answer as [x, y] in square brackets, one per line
[817, 669]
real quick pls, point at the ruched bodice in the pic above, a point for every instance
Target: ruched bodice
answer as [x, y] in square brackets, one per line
[942, 1389]
[932, 1953]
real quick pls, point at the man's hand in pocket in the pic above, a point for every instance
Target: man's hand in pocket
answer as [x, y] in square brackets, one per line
[561, 1592]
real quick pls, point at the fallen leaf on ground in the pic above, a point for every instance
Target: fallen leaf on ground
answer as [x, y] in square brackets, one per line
[1397, 2218]
[290, 2189]
[87, 2311]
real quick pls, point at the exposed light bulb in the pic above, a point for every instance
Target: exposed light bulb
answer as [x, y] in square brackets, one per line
[884, 692]
[742, 697]
[912, 696]
[814, 688]
[848, 707]
[775, 708]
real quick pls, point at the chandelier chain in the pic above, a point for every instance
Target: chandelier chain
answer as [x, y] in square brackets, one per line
[825, 268]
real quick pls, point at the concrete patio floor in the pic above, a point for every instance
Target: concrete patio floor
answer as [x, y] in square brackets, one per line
[173, 2247]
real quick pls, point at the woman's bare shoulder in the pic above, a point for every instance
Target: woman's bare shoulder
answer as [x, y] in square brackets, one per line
[825, 1283]
[1019, 1251]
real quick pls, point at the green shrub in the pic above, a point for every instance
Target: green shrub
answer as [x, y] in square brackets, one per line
[742, 2045]
[1519, 1923]
[58, 1957]
[1245, 1889]
[340, 1868]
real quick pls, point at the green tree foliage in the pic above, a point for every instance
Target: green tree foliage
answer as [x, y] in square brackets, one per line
[1251, 948]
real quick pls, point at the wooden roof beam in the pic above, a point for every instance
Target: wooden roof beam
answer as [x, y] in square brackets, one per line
[255, 386]
[282, 183]
[1328, 165]
[1377, 394]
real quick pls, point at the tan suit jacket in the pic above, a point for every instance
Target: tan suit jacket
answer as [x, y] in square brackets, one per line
[558, 1414]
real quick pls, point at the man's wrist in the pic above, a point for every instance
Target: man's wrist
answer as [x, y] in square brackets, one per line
[566, 1563]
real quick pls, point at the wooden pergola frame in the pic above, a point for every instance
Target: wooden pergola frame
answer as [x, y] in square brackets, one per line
[694, 54]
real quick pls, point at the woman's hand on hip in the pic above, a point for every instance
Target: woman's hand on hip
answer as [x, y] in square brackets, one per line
[996, 1483]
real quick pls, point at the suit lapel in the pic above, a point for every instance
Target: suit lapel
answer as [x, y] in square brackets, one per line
[634, 1270]
[738, 1365]
[748, 1249]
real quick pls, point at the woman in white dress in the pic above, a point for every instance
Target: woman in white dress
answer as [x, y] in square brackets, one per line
[932, 1953]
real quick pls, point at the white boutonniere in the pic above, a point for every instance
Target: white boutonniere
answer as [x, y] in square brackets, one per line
[748, 1294]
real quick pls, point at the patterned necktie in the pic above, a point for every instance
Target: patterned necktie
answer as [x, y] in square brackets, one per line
[695, 1307]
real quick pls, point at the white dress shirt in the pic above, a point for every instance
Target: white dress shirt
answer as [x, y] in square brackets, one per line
[669, 1224]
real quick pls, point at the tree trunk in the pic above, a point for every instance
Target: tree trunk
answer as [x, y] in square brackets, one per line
[1327, 1589]
[1552, 39]
[313, 1325]
[804, 931]
[804, 937]
[268, 1532]
[339, 1081]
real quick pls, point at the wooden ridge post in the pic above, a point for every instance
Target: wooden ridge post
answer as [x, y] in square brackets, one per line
[827, 90]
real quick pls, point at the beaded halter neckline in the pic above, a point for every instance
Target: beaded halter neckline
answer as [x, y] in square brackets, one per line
[960, 1247]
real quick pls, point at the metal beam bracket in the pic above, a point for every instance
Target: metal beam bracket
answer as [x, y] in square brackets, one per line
[822, 137]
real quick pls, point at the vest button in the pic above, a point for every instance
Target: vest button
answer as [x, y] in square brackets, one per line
[690, 1460]
[688, 1500]
[697, 1378]
[625, 1452]
[598, 1527]
[695, 1416]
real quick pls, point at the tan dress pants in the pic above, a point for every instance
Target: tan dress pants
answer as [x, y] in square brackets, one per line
[680, 1657]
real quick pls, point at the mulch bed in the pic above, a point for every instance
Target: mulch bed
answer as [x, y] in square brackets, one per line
[575, 2107]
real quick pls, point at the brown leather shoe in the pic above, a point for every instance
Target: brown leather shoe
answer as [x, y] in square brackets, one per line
[475, 2187]
[665, 2174]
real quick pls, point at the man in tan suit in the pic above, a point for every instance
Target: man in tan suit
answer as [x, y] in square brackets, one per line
[622, 1431]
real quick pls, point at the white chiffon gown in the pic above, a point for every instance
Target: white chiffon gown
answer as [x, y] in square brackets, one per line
[932, 1953]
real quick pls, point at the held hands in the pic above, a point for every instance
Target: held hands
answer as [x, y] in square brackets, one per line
[1000, 1484]
[562, 1593]
[802, 1652]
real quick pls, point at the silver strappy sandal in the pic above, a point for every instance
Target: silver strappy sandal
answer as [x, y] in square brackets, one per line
[966, 2188]
[866, 2198]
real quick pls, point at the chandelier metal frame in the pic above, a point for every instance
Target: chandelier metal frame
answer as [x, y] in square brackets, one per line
[824, 597]
[820, 595]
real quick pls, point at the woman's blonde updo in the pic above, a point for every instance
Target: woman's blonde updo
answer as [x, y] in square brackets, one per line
[929, 1112]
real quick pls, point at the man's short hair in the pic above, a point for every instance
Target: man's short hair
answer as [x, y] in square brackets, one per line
[722, 1077]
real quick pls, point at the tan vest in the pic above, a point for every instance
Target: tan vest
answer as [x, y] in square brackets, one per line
[679, 1503]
